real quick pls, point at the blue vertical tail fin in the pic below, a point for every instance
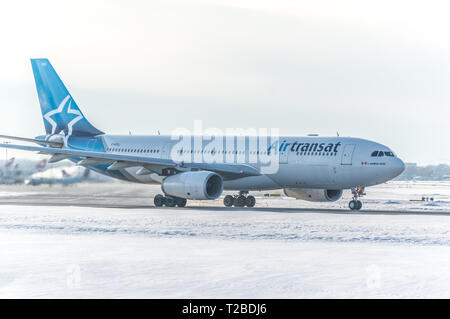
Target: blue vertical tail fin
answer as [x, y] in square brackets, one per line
[60, 113]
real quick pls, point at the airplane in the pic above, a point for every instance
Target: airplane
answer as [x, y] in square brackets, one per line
[10, 163]
[41, 165]
[310, 168]
[11, 174]
[66, 179]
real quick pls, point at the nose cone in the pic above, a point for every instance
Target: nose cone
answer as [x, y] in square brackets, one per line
[398, 167]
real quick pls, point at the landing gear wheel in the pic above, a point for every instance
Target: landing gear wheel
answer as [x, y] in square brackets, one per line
[240, 201]
[159, 200]
[357, 192]
[181, 202]
[250, 201]
[228, 201]
[353, 204]
[170, 201]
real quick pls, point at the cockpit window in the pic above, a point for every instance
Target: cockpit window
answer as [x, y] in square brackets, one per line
[382, 153]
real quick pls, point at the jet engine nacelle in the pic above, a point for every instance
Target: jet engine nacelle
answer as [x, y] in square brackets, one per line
[193, 185]
[314, 195]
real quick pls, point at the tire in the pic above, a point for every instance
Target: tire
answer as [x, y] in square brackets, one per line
[170, 202]
[181, 202]
[240, 201]
[358, 205]
[352, 204]
[228, 201]
[159, 200]
[250, 201]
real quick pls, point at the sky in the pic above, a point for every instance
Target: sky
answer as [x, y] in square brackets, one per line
[372, 69]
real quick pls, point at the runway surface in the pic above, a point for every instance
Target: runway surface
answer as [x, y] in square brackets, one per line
[393, 198]
[109, 241]
[226, 209]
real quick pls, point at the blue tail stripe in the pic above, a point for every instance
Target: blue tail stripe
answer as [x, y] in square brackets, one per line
[60, 112]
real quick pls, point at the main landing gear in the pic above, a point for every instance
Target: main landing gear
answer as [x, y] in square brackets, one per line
[169, 201]
[356, 204]
[241, 200]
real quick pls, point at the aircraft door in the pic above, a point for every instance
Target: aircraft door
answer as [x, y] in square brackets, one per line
[347, 155]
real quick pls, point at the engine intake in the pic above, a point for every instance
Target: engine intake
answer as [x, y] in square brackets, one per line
[314, 195]
[194, 185]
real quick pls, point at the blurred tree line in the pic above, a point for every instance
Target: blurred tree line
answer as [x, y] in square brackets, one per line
[428, 173]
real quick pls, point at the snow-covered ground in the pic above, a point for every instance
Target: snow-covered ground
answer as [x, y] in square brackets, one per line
[212, 252]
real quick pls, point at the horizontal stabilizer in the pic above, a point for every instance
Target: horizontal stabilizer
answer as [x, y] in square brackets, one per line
[33, 140]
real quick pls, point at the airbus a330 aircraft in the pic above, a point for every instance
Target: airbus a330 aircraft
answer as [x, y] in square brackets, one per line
[310, 168]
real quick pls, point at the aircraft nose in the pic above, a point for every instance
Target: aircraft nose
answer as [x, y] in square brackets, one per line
[398, 166]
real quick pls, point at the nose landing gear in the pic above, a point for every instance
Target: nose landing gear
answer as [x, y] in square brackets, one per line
[356, 204]
[240, 200]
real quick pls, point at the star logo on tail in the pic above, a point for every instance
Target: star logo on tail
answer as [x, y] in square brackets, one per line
[63, 118]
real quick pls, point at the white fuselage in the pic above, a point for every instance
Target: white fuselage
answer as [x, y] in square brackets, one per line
[304, 162]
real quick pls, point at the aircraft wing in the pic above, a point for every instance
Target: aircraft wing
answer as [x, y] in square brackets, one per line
[227, 171]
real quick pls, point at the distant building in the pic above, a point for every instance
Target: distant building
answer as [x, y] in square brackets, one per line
[425, 173]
